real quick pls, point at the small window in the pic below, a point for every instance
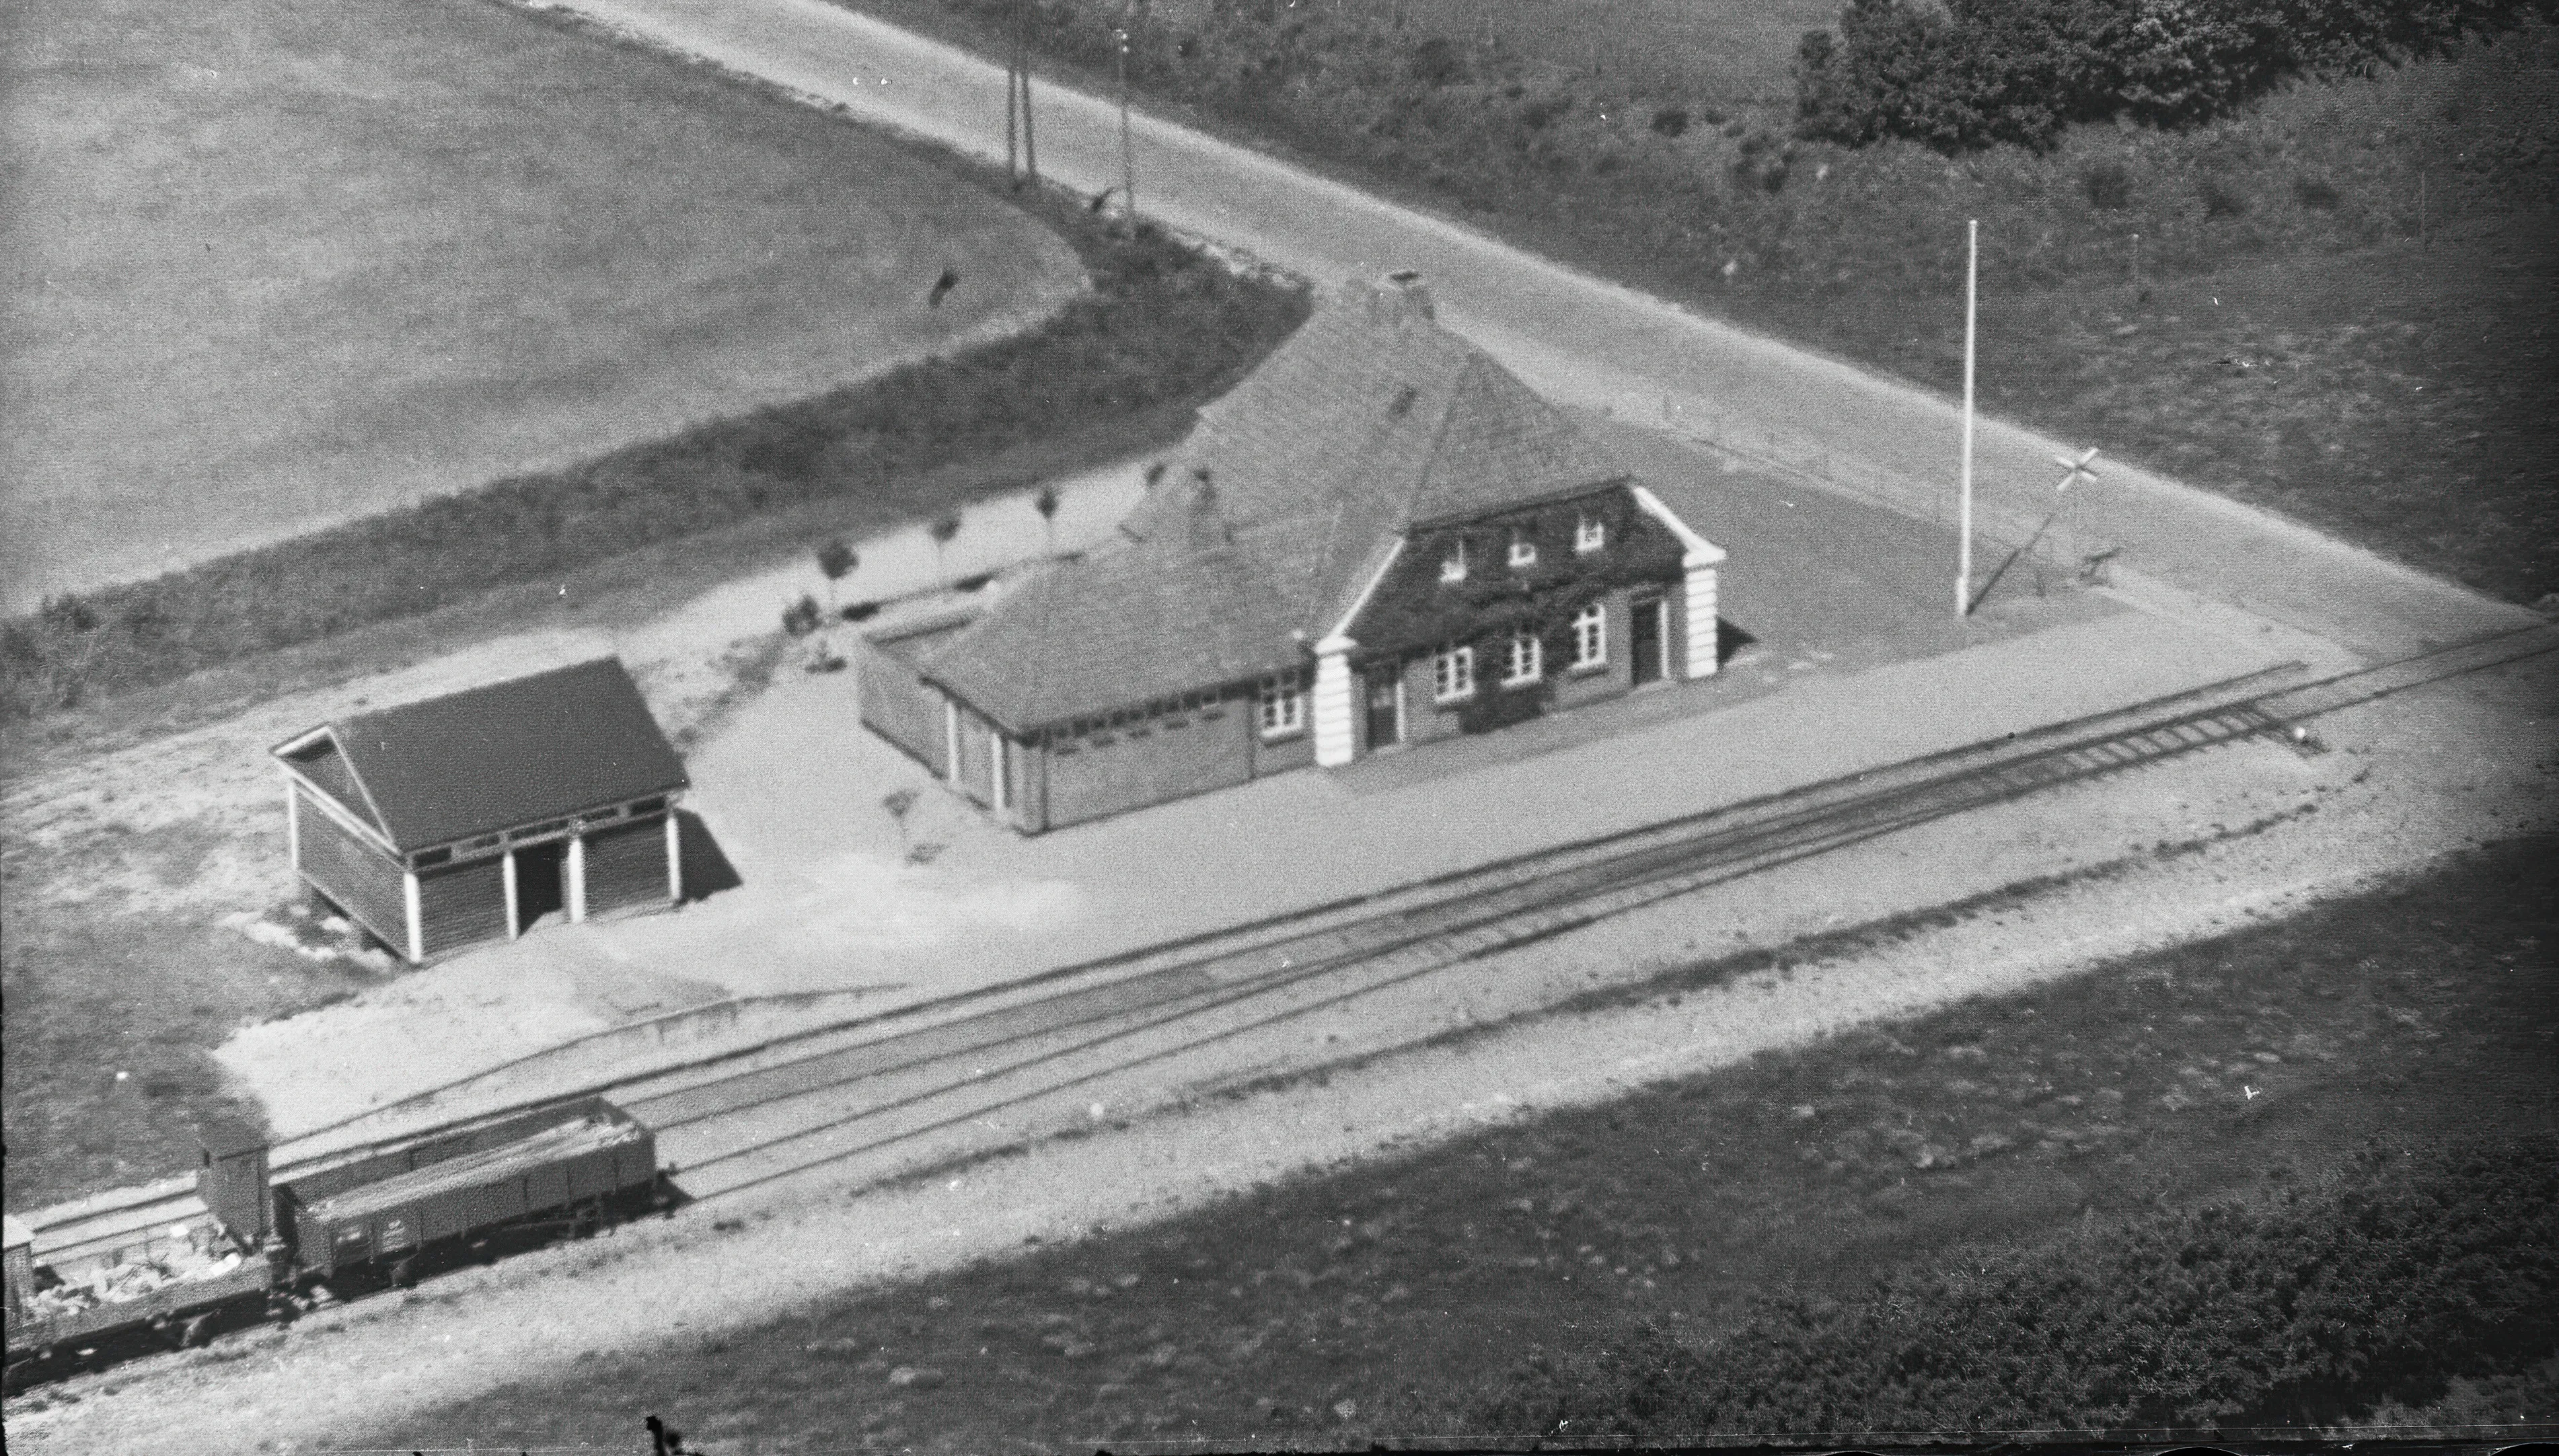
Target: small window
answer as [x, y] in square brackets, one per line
[1589, 534]
[1282, 703]
[1525, 662]
[1452, 674]
[1452, 567]
[1591, 635]
[485, 842]
[649, 806]
[1523, 547]
[426, 857]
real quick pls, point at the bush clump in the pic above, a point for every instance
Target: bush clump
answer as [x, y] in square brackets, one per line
[2311, 1306]
[1971, 73]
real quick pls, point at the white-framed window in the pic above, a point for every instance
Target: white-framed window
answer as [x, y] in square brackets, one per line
[1525, 662]
[1452, 567]
[1523, 547]
[1284, 703]
[1452, 674]
[1591, 635]
[1589, 534]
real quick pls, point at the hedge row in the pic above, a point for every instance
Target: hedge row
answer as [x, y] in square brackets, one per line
[2310, 1307]
[1968, 73]
[1163, 324]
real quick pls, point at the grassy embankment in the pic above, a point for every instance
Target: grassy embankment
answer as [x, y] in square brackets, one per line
[101, 978]
[1396, 1299]
[2300, 335]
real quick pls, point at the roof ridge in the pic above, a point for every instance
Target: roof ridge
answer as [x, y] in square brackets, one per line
[1470, 370]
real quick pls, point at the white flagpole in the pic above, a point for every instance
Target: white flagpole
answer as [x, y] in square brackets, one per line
[1964, 508]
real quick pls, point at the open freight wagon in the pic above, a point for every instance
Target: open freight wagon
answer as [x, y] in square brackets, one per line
[259, 1239]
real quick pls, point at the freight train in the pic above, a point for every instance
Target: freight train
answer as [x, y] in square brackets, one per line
[269, 1246]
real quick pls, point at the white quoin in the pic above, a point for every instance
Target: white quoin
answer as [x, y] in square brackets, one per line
[1700, 609]
[514, 898]
[1698, 606]
[674, 858]
[1335, 742]
[577, 877]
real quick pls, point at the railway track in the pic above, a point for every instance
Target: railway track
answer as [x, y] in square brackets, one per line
[984, 1071]
[902, 1102]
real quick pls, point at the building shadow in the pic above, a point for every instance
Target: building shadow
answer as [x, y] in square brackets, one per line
[1729, 640]
[706, 868]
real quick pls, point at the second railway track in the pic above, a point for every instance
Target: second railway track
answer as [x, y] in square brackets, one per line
[980, 1072]
[900, 1103]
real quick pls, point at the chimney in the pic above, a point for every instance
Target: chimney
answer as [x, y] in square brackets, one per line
[1400, 297]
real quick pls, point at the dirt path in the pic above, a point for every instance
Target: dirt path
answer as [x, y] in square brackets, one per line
[2368, 809]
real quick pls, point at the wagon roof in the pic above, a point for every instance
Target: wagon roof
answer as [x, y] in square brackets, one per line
[504, 755]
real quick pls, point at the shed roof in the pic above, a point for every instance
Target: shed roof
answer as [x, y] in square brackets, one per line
[513, 753]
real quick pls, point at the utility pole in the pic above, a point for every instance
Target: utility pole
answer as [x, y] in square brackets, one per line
[1127, 153]
[1964, 497]
[1030, 133]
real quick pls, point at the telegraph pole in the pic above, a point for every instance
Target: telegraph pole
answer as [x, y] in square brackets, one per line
[1127, 154]
[1030, 133]
[1964, 497]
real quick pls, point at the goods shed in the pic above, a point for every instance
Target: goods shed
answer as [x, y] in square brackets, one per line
[467, 817]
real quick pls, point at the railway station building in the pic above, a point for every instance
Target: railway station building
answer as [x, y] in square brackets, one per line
[467, 817]
[1380, 538]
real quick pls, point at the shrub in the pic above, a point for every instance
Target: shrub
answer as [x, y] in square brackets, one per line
[1982, 71]
[2222, 198]
[2107, 185]
[1437, 62]
[2309, 1306]
[2315, 191]
[1671, 121]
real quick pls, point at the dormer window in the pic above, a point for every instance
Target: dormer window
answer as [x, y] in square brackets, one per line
[1452, 567]
[1523, 548]
[1589, 534]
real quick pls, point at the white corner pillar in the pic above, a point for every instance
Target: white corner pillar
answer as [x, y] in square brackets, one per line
[949, 739]
[515, 901]
[674, 858]
[415, 916]
[293, 826]
[1336, 739]
[1698, 558]
[576, 877]
[998, 790]
[1699, 609]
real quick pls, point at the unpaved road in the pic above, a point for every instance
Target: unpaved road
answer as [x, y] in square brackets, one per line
[2412, 778]
[1578, 339]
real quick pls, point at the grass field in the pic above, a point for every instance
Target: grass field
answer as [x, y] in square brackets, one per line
[277, 263]
[1352, 1304]
[2386, 377]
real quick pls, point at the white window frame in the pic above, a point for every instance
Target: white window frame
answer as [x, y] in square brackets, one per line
[1524, 662]
[1591, 635]
[1452, 674]
[1452, 567]
[1589, 534]
[1281, 705]
[1523, 548]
